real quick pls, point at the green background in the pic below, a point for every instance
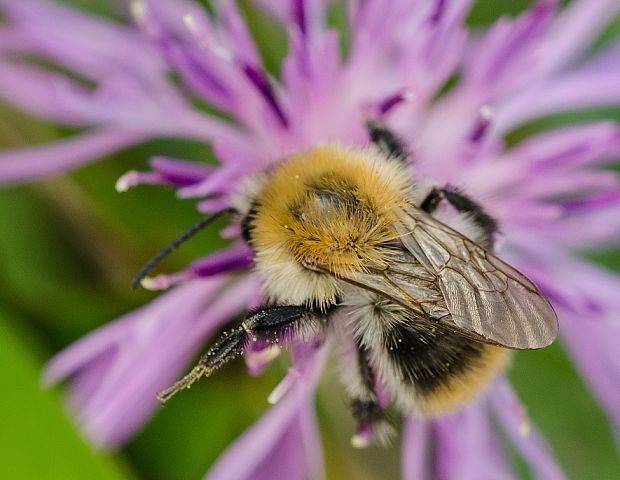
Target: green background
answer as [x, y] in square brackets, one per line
[68, 249]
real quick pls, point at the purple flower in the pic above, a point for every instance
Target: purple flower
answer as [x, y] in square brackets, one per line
[548, 193]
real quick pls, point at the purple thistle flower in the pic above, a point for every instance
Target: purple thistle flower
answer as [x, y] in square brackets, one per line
[548, 193]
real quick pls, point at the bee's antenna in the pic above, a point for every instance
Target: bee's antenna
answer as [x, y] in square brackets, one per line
[189, 233]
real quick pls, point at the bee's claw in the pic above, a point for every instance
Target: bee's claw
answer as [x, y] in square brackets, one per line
[186, 382]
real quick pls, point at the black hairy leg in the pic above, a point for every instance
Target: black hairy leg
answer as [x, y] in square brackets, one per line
[387, 141]
[272, 324]
[432, 200]
[365, 408]
[366, 373]
[463, 204]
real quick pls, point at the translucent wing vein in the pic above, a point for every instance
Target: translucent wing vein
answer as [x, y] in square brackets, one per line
[482, 293]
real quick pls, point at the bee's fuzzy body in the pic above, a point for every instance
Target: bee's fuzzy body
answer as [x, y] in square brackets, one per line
[338, 207]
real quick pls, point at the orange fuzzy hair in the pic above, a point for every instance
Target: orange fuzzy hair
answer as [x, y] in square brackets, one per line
[294, 221]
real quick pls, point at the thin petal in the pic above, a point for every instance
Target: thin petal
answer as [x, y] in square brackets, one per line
[591, 85]
[166, 171]
[78, 355]
[84, 43]
[506, 57]
[468, 448]
[281, 441]
[417, 463]
[575, 29]
[595, 354]
[525, 437]
[569, 147]
[155, 338]
[38, 92]
[36, 162]
[12, 41]
[238, 257]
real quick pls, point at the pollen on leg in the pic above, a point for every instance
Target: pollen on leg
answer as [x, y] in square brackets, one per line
[187, 381]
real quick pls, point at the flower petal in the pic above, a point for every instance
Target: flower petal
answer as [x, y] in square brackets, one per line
[575, 29]
[417, 463]
[238, 257]
[284, 443]
[525, 437]
[593, 84]
[87, 44]
[507, 56]
[36, 162]
[596, 356]
[156, 339]
[468, 447]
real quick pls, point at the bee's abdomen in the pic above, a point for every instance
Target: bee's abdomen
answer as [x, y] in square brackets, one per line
[433, 370]
[429, 357]
[426, 367]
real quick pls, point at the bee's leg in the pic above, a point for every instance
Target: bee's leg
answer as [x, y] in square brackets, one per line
[386, 140]
[463, 204]
[272, 324]
[365, 407]
[430, 203]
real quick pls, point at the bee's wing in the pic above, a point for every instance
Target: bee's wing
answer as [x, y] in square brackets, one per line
[446, 277]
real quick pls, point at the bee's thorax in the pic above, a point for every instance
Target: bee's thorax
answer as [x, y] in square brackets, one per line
[330, 209]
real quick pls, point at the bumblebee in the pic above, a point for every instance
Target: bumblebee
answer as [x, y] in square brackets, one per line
[346, 245]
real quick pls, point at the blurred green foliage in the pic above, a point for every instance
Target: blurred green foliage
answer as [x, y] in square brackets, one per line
[37, 439]
[68, 249]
